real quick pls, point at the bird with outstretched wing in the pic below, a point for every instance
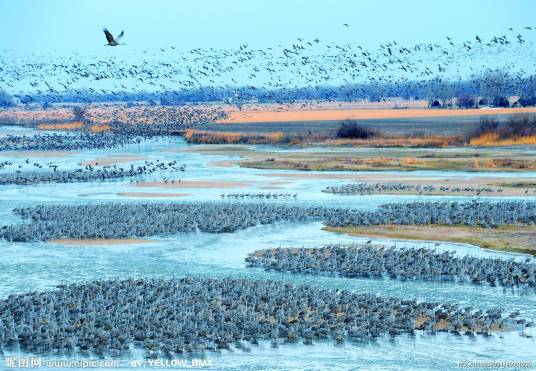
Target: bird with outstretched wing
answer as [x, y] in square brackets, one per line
[110, 38]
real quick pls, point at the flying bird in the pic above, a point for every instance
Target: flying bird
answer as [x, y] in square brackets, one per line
[110, 38]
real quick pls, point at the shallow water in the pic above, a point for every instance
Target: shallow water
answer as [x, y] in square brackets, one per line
[41, 266]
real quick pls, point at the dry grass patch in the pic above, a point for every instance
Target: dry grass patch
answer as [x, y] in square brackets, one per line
[493, 139]
[277, 137]
[216, 137]
[356, 163]
[398, 141]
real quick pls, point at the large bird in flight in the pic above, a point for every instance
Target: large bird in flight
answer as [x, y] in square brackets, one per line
[110, 38]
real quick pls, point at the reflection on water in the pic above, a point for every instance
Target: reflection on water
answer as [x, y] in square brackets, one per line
[41, 266]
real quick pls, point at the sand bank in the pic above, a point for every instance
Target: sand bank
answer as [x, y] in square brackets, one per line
[216, 149]
[523, 189]
[196, 184]
[112, 160]
[222, 163]
[409, 178]
[151, 194]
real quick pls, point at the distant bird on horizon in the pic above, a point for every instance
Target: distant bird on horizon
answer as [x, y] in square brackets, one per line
[110, 38]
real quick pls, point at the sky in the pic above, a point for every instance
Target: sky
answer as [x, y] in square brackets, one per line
[62, 26]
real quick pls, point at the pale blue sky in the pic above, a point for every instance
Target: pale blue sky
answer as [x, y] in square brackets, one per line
[76, 25]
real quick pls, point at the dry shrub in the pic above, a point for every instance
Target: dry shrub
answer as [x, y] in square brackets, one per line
[351, 129]
[518, 130]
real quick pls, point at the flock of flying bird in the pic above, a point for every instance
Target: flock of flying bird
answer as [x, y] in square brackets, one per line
[305, 63]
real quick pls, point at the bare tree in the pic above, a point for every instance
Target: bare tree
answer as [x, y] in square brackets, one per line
[79, 112]
[493, 86]
[465, 101]
[439, 90]
[527, 93]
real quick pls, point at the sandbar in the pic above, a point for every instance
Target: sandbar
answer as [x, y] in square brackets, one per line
[196, 184]
[152, 194]
[112, 160]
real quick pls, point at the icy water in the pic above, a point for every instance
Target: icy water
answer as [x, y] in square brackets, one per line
[40, 266]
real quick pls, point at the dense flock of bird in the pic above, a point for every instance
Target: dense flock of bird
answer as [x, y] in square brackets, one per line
[150, 120]
[115, 220]
[87, 173]
[119, 220]
[305, 63]
[487, 214]
[170, 317]
[397, 263]
[125, 126]
[65, 142]
[372, 188]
